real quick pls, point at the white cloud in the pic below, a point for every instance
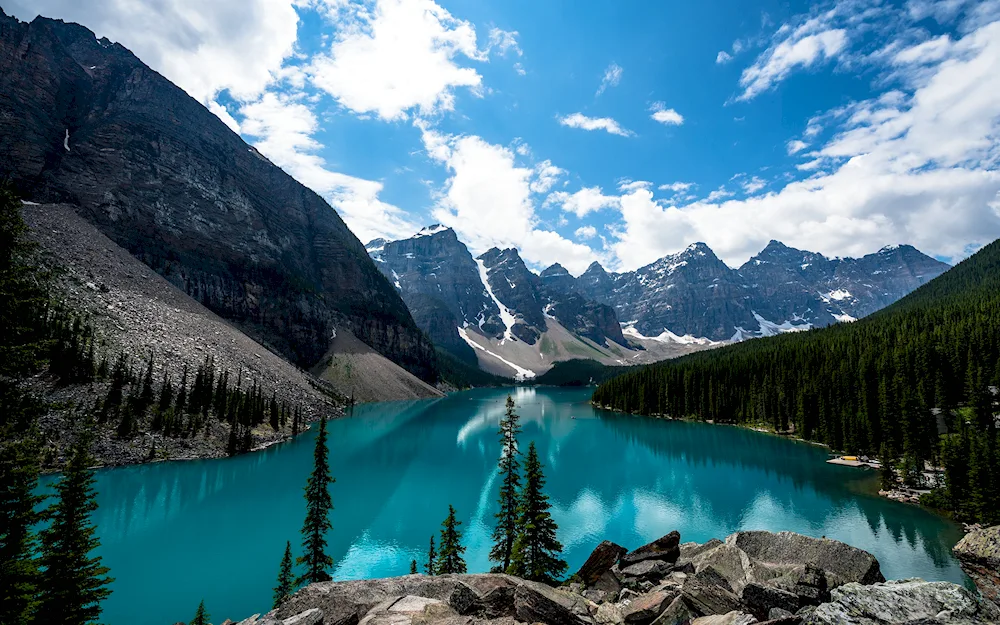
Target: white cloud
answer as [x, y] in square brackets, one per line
[488, 200]
[676, 187]
[504, 41]
[223, 113]
[918, 166]
[520, 69]
[397, 56]
[612, 76]
[780, 59]
[589, 232]
[795, 146]
[723, 57]
[753, 185]
[579, 120]
[627, 185]
[586, 200]
[662, 114]
[546, 175]
[719, 194]
[283, 128]
[203, 47]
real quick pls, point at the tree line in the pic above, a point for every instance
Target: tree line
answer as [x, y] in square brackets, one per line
[916, 382]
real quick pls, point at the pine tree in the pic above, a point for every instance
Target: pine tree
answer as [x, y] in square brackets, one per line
[286, 583]
[73, 582]
[449, 559]
[19, 574]
[887, 475]
[431, 567]
[536, 550]
[317, 522]
[413, 567]
[506, 528]
[200, 616]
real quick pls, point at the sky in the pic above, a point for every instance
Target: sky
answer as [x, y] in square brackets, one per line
[604, 130]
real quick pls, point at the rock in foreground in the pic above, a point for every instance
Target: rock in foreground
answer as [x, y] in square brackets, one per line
[979, 555]
[752, 577]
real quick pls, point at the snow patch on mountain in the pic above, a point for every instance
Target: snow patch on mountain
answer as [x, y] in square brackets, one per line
[506, 316]
[668, 337]
[429, 231]
[769, 328]
[521, 373]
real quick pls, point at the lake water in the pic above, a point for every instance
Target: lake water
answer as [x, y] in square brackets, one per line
[175, 533]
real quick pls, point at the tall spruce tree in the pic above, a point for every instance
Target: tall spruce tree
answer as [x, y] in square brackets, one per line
[73, 582]
[317, 522]
[413, 567]
[431, 567]
[449, 559]
[536, 550]
[200, 616]
[19, 573]
[286, 581]
[505, 531]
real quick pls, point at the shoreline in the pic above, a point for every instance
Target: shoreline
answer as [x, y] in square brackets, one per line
[899, 495]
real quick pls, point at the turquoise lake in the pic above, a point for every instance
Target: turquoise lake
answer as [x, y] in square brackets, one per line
[178, 532]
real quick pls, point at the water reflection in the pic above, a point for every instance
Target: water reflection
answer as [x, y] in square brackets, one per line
[176, 532]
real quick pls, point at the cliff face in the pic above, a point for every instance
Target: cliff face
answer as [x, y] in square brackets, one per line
[83, 121]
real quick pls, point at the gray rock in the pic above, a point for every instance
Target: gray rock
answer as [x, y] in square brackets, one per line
[762, 599]
[730, 618]
[609, 614]
[706, 595]
[905, 601]
[309, 617]
[609, 583]
[643, 610]
[842, 563]
[677, 613]
[534, 602]
[666, 548]
[690, 550]
[777, 614]
[729, 561]
[647, 570]
[597, 596]
[409, 610]
[978, 554]
[627, 594]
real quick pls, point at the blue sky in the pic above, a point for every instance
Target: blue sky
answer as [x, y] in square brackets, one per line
[611, 131]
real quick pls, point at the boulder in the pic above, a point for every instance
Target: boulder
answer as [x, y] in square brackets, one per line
[690, 550]
[730, 561]
[978, 554]
[600, 561]
[785, 550]
[535, 602]
[495, 594]
[666, 548]
[309, 617]
[409, 610]
[597, 596]
[647, 570]
[609, 614]
[730, 618]
[761, 600]
[778, 614]
[345, 603]
[608, 582]
[905, 601]
[643, 610]
[708, 594]
[677, 613]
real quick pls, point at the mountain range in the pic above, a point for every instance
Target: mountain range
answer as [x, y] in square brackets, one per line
[494, 311]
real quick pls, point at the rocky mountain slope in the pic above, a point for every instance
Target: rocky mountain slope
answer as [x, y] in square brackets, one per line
[495, 312]
[84, 122]
[751, 577]
[135, 311]
[693, 293]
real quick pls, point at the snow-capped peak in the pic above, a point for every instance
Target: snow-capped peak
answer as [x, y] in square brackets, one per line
[430, 231]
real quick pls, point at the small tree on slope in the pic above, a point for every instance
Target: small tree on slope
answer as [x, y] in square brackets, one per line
[506, 528]
[449, 559]
[536, 550]
[19, 574]
[73, 583]
[286, 582]
[317, 522]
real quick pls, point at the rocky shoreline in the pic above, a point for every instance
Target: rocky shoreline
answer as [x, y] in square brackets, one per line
[750, 577]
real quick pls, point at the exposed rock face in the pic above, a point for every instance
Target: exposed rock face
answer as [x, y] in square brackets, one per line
[908, 601]
[83, 121]
[978, 554]
[600, 561]
[665, 548]
[694, 293]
